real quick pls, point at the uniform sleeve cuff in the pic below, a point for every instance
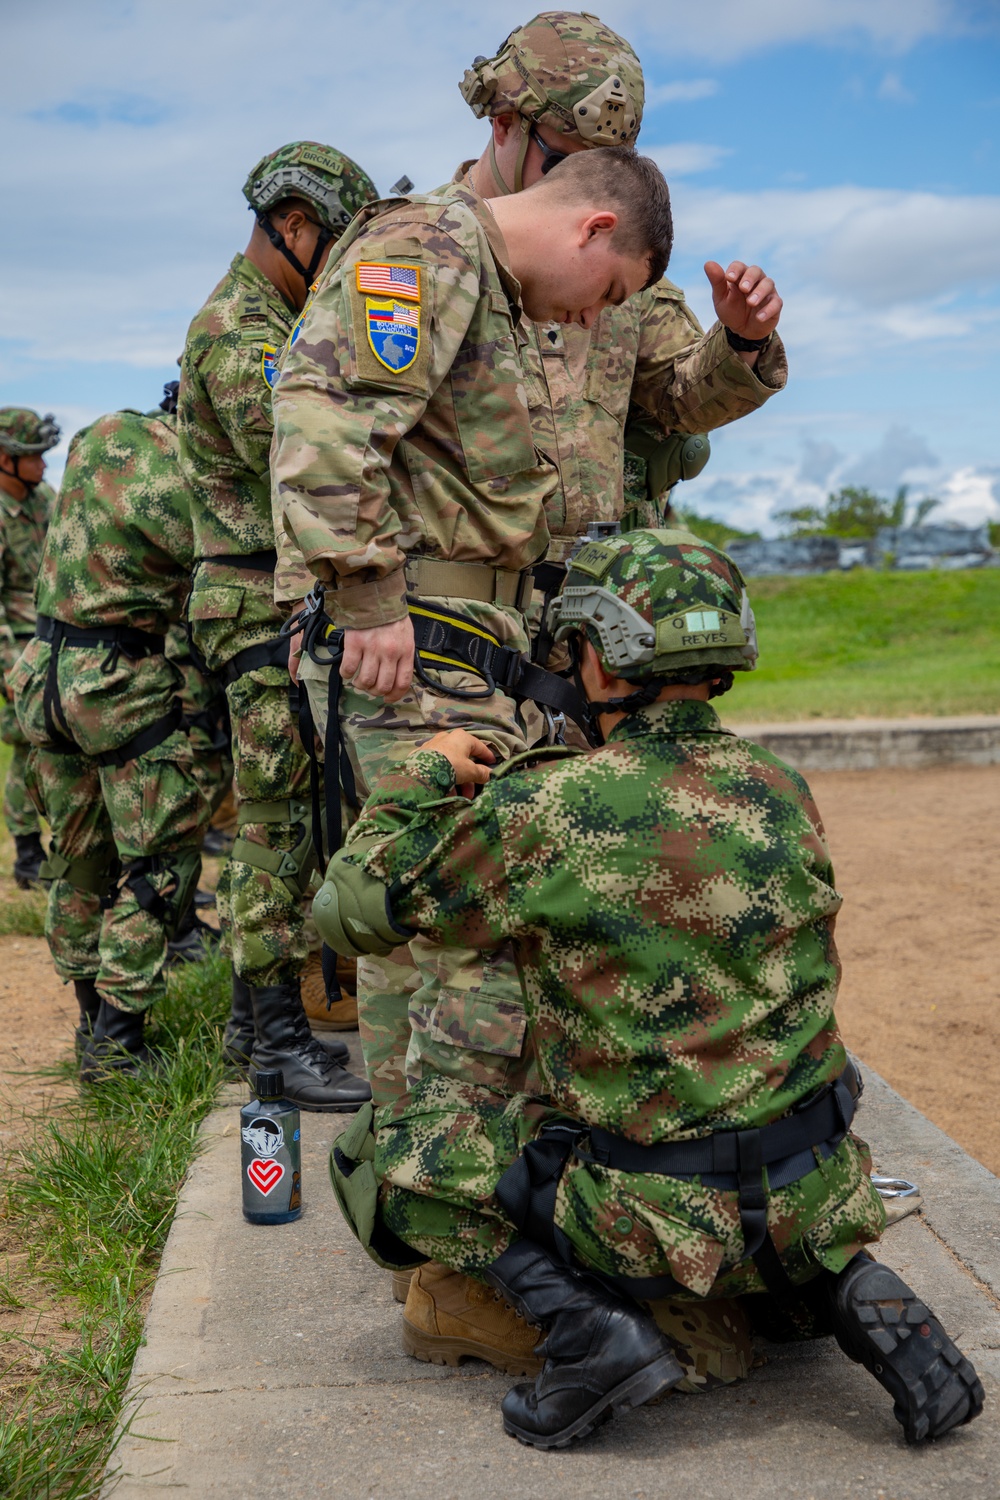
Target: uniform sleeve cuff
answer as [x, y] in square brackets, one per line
[360, 606]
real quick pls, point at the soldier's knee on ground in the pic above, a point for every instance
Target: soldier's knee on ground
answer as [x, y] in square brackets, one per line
[712, 1340]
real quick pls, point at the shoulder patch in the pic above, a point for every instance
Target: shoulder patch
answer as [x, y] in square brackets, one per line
[383, 277]
[393, 332]
[269, 365]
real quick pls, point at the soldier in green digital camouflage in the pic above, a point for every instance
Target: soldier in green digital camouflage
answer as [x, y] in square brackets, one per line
[112, 766]
[303, 196]
[672, 905]
[25, 505]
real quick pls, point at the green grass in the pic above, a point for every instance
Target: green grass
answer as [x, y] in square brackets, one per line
[865, 643]
[92, 1199]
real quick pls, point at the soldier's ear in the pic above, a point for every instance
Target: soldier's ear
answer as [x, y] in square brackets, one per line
[503, 126]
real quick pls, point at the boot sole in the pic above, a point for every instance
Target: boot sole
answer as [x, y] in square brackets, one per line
[328, 1109]
[438, 1349]
[640, 1388]
[933, 1386]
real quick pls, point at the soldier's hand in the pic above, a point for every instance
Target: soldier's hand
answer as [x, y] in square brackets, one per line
[470, 758]
[745, 299]
[379, 660]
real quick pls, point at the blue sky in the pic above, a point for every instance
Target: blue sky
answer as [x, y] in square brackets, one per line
[852, 147]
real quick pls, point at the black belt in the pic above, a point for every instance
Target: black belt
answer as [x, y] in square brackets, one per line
[732, 1160]
[135, 644]
[264, 561]
[272, 653]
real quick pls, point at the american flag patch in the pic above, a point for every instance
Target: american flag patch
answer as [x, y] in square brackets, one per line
[375, 276]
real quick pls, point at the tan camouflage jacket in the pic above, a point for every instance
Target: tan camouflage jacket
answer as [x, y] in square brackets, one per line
[225, 425]
[23, 524]
[401, 418]
[650, 352]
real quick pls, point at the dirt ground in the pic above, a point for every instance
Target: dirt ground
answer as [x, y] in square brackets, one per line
[917, 859]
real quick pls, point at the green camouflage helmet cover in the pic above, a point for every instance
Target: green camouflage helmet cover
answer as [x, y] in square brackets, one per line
[657, 602]
[23, 431]
[567, 70]
[333, 183]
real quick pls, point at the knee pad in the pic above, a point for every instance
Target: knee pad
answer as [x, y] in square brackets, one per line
[95, 876]
[295, 866]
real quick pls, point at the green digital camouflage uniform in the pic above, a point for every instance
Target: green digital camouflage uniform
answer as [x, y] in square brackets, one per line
[434, 460]
[203, 700]
[671, 902]
[22, 537]
[225, 422]
[118, 554]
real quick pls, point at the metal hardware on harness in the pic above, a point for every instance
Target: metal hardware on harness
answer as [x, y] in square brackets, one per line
[894, 1187]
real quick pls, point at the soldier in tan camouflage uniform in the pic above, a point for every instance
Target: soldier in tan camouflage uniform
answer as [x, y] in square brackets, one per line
[25, 507]
[303, 196]
[645, 356]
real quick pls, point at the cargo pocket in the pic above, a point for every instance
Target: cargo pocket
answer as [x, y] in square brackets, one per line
[468, 1034]
[26, 688]
[856, 1215]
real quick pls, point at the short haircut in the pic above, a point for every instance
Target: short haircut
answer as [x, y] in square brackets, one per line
[630, 185]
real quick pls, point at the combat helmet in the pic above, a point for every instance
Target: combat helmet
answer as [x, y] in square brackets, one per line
[564, 69]
[658, 607]
[24, 433]
[331, 182]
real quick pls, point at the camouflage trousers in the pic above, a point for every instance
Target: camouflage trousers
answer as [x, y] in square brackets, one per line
[440, 1159]
[273, 862]
[203, 700]
[124, 857]
[428, 1011]
[18, 809]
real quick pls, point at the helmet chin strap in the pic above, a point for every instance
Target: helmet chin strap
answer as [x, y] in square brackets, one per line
[522, 152]
[308, 273]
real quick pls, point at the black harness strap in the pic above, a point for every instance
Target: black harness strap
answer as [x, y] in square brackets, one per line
[549, 578]
[729, 1159]
[146, 740]
[272, 653]
[264, 561]
[449, 642]
[119, 639]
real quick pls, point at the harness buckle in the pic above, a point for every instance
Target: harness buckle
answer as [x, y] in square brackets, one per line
[555, 727]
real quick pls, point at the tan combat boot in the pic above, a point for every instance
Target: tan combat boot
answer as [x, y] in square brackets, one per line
[401, 1284]
[712, 1341]
[323, 1013]
[449, 1317]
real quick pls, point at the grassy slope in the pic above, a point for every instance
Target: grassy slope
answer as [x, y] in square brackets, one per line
[848, 645]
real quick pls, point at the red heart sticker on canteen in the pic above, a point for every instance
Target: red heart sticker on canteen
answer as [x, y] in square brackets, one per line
[265, 1174]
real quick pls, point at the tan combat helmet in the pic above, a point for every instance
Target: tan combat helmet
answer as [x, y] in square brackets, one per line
[564, 69]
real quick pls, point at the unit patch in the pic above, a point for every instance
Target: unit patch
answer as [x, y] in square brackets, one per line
[377, 276]
[393, 332]
[269, 365]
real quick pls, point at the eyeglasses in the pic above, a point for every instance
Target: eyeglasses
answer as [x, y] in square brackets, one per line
[550, 156]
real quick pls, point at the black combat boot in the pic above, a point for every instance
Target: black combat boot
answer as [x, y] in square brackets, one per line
[313, 1079]
[193, 940]
[90, 1007]
[880, 1323]
[238, 1038]
[28, 857]
[116, 1045]
[602, 1352]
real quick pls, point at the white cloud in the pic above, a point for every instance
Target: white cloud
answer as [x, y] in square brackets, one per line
[686, 158]
[894, 90]
[901, 455]
[687, 91]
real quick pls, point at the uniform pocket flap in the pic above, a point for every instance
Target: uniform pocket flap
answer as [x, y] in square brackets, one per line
[478, 1022]
[217, 602]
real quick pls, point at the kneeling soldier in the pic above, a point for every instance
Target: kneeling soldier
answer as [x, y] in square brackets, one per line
[671, 904]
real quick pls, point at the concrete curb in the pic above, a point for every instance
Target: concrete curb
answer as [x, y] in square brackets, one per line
[273, 1361]
[871, 744]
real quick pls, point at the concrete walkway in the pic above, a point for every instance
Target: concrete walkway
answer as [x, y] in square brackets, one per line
[273, 1366]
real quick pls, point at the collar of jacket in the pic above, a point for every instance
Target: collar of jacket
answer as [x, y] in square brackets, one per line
[673, 719]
